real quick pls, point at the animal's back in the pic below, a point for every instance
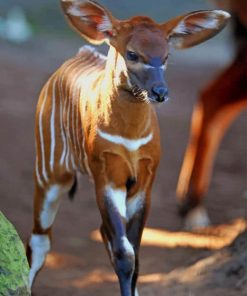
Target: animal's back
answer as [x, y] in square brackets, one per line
[59, 134]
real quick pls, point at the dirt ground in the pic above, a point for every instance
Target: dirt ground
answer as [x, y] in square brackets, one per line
[172, 262]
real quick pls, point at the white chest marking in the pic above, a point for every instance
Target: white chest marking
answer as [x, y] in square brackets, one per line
[129, 144]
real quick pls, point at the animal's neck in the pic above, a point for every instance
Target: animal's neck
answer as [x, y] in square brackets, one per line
[115, 76]
[125, 112]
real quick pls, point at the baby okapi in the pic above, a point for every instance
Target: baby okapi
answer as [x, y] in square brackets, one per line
[94, 116]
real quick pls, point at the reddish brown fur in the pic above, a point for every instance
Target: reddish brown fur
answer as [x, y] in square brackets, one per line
[219, 104]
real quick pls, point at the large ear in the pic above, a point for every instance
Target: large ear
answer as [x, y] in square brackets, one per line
[195, 27]
[91, 20]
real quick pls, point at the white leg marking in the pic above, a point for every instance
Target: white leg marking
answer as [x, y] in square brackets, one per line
[110, 251]
[136, 292]
[37, 173]
[135, 204]
[118, 198]
[127, 246]
[129, 144]
[40, 246]
[41, 134]
[197, 218]
[51, 205]
[52, 125]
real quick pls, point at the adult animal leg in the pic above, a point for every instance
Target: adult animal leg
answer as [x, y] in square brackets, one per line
[218, 105]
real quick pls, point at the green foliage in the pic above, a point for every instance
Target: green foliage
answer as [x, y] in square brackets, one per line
[14, 267]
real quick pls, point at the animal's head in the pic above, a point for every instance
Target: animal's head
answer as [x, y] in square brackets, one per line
[143, 43]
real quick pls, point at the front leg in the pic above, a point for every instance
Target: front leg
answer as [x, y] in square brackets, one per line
[138, 205]
[124, 211]
[113, 230]
[110, 181]
[133, 232]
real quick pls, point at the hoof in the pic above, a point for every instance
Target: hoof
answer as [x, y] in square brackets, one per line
[197, 218]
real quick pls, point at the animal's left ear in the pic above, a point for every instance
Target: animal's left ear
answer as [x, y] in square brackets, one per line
[195, 27]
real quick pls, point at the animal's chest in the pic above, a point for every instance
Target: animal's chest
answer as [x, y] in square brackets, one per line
[117, 151]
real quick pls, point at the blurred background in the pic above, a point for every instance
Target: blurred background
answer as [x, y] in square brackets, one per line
[34, 40]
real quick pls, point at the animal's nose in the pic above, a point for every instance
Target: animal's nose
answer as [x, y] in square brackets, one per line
[161, 93]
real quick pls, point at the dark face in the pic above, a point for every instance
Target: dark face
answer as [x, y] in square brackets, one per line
[146, 55]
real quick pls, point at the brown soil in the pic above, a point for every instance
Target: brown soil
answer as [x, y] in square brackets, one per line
[172, 262]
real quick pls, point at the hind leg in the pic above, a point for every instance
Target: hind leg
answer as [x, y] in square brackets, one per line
[220, 103]
[46, 204]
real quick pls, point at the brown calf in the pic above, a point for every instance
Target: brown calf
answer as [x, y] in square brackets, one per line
[95, 116]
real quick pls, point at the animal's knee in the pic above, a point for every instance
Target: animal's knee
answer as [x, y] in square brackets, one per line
[50, 204]
[124, 258]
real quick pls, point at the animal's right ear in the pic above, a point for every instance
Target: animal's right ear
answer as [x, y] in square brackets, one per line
[90, 19]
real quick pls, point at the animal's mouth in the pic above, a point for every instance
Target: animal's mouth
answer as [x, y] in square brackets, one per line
[140, 93]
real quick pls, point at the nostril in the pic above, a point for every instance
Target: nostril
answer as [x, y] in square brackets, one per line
[160, 91]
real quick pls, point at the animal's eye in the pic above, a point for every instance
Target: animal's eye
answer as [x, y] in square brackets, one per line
[132, 56]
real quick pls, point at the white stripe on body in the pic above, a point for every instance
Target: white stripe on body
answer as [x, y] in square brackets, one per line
[70, 113]
[62, 99]
[78, 73]
[129, 144]
[66, 111]
[44, 173]
[52, 125]
[40, 246]
[76, 93]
